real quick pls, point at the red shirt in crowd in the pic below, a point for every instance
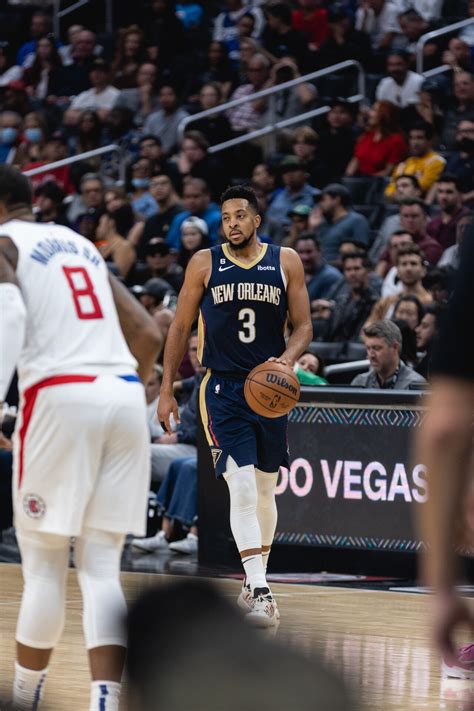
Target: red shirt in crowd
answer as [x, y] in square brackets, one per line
[314, 27]
[61, 176]
[375, 155]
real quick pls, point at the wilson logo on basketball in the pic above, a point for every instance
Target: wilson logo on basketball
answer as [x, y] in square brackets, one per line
[282, 382]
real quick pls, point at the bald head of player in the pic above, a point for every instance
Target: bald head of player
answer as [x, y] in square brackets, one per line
[15, 194]
[240, 217]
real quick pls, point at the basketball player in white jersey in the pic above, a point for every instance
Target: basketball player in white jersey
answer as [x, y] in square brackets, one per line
[81, 451]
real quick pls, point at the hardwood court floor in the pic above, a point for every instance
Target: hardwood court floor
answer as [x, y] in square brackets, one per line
[377, 640]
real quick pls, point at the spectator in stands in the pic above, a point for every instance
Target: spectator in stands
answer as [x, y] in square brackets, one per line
[426, 333]
[350, 307]
[100, 98]
[74, 78]
[413, 219]
[288, 102]
[320, 277]
[115, 197]
[402, 86]
[111, 236]
[150, 147]
[40, 75]
[408, 351]
[339, 223]
[411, 270]
[226, 25]
[413, 25]
[216, 128]
[90, 200]
[343, 42]
[422, 162]
[280, 38]
[392, 284]
[406, 186]
[161, 263]
[443, 226]
[169, 206]
[66, 50]
[87, 136]
[164, 122]
[41, 25]
[194, 236]
[218, 69]
[130, 54]
[379, 19]
[427, 109]
[337, 139]
[450, 257]
[309, 369]
[458, 55]
[382, 146]
[197, 202]
[159, 299]
[165, 35]
[264, 177]
[141, 98]
[246, 117]
[10, 131]
[9, 71]
[143, 202]
[311, 20]
[296, 191]
[194, 161]
[467, 33]
[49, 200]
[299, 216]
[408, 308]
[383, 341]
[461, 162]
[463, 109]
[33, 139]
[54, 149]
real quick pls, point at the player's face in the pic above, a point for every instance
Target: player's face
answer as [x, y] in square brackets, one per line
[239, 222]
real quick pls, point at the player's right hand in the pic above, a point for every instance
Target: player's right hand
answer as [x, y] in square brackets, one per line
[167, 406]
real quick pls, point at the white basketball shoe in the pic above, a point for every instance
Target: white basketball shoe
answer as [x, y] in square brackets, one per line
[264, 612]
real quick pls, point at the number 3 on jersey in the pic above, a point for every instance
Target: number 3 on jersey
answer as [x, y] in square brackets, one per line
[85, 299]
[247, 316]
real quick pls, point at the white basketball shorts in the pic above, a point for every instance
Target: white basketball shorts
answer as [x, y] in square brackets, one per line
[82, 456]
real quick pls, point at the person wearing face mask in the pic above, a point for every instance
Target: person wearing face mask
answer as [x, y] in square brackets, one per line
[10, 125]
[194, 236]
[143, 202]
[33, 139]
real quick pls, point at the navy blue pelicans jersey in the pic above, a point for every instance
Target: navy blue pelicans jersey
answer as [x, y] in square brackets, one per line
[243, 311]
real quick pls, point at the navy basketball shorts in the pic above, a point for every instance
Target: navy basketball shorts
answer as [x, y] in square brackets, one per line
[234, 430]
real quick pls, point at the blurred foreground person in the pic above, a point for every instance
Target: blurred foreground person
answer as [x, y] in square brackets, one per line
[445, 447]
[199, 669]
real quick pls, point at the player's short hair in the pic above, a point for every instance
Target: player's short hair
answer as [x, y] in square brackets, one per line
[15, 188]
[385, 329]
[241, 192]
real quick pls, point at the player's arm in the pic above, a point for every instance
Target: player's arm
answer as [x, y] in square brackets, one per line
[190, 296]
[298, 307]
[141, 332]
[12, 315]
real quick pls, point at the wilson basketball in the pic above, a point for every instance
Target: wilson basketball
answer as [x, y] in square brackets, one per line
[271, 389]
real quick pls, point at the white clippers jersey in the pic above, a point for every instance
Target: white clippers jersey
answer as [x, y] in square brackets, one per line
[72, 323]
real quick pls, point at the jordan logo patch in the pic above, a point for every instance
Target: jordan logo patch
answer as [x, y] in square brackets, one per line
[216, 455]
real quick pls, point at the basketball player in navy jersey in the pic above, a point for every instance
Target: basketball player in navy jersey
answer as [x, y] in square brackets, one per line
[244, 291]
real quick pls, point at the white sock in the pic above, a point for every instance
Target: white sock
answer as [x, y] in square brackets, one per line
[28, 687]
[105, 696]
[254, 571]
[265, 557]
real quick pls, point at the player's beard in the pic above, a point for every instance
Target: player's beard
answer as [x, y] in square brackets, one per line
[240, 245]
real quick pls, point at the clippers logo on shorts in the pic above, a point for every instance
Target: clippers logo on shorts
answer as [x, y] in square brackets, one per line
[34, 506]
[216, 455]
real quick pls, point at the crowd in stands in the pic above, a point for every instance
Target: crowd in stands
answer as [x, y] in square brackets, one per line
[374, 195]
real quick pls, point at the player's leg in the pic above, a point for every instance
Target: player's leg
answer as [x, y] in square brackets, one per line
[267, 512]
[45, 560]
[97, 557]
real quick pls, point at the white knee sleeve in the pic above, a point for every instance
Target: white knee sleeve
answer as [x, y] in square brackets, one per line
[267, 513]
[97, 557]
[243, 506]
[45, 559]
